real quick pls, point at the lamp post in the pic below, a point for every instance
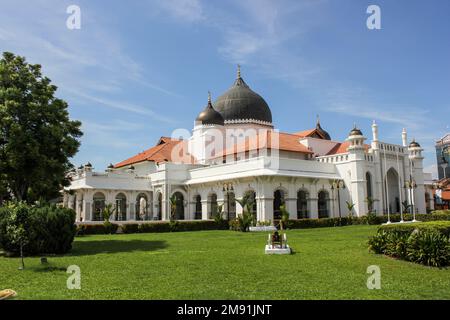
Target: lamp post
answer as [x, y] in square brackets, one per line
[411, 185]
[228, 187]
[338, 184]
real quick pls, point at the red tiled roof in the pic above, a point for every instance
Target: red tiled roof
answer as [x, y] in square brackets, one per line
[445, 195]
[309, 133]
[341, 147]
[305, 133]
[164, 151]
[269, 140]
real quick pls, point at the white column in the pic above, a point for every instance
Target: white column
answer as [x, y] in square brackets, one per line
[205, 206]
[312, 202]
[291, 207]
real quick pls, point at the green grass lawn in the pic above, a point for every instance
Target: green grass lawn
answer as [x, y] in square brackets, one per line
[328, 263]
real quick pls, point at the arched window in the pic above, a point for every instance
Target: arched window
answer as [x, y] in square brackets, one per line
[178, 204]
[230, 205]
[278, 201]
[369, 185]
[159, 207]
[213, 207]
[121, 207]
[302, 204]
[322, 204]
[198, 207]
[427, 202]
[97, 206]
[392, 191]
[142, 207]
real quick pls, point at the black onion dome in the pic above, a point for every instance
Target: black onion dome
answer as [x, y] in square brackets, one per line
[355, 132]
[209, 115]
[325, 134]
[414, 144]
[242, 103]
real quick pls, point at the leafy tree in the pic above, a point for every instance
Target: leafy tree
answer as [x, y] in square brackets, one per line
[37, 138]
[16, 229]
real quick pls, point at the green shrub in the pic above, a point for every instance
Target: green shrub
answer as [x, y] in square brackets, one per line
[424, 242]
[243, 222]
[154, 227]
[109, 227]
[378, 242]
[408, 228]
[178, 226]
[130, 228]
[49, 229]
[429, 247]
[89, 229]
[174, 225]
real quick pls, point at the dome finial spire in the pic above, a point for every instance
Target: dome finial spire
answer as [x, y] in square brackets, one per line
[317, 120]
[209, 97]
[238, 71]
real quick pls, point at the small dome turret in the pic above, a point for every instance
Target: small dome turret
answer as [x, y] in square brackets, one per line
[414, 144]
[325, 134]
[209, 115]
[355, 131]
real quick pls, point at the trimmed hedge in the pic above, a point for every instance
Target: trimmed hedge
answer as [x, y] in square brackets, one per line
[87, 229]
[178, 226]
[49, 229]
[423, 242]
[370, 219]
[154, 227]
[408, 228]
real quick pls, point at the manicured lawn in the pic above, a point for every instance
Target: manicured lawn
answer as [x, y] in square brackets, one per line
[329, 263]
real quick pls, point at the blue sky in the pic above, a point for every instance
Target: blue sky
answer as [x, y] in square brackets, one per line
[137, 70]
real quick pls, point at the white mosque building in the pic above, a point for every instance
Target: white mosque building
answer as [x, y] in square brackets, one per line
[235, 151]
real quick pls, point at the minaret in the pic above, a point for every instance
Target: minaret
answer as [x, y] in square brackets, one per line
[404, 137]
[416, 173]
[374, 135]
[357, 166]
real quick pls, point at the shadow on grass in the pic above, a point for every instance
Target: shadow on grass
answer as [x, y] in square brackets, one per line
[83, 248]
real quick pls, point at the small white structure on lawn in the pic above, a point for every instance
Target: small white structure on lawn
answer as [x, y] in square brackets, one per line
[277, 244]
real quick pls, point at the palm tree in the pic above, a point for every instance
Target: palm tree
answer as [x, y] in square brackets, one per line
[370, 201]
[284, 216]
[406, 206]
[107, 212]
[173, 206]
[218, 214]
[350, 206]
[246, 219]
